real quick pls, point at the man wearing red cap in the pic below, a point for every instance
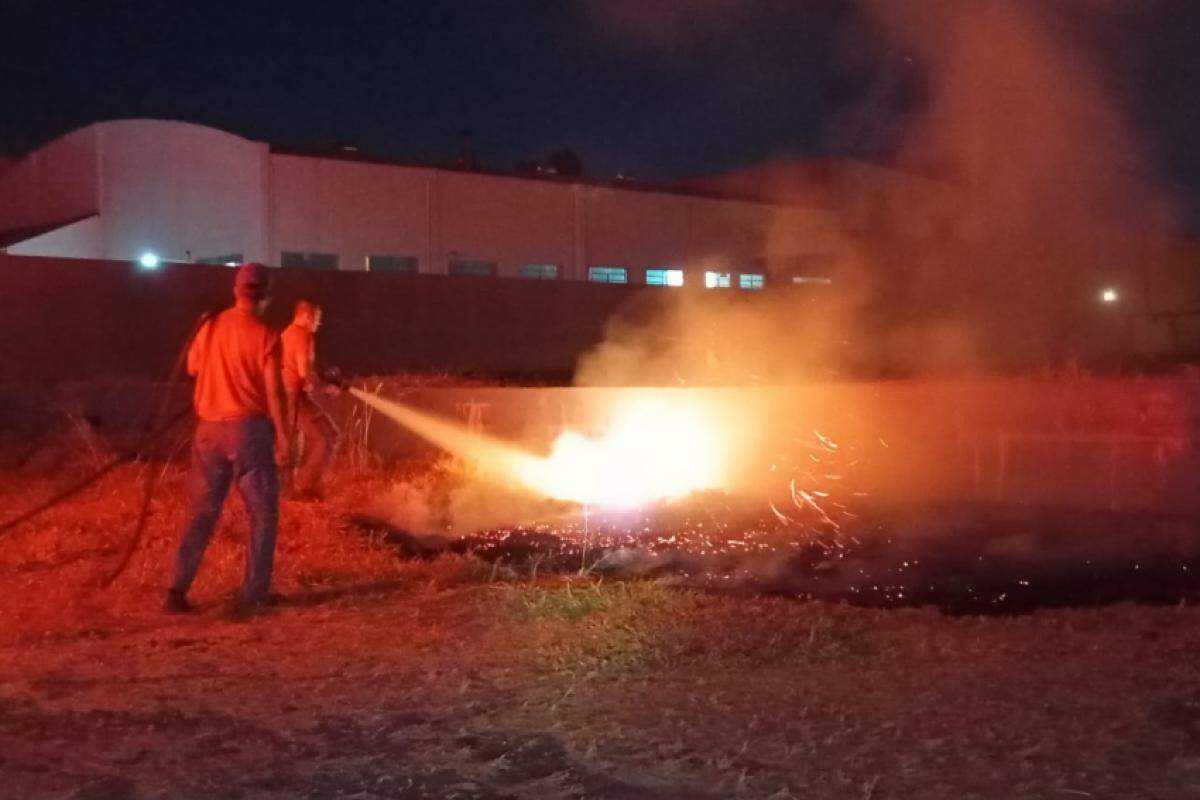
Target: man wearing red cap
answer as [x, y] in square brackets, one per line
[239, 399]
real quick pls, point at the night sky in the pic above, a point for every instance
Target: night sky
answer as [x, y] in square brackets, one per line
[657, 89]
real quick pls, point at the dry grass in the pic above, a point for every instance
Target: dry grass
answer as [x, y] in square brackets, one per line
[52, 568]
[591, 629]
[453, 678]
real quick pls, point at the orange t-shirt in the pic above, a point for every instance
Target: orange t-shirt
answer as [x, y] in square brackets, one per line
[230, 358]
[298, 355]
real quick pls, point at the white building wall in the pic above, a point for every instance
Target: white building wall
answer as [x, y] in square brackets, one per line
[182, 191]
[640, 230]
[351, 209]
[878, 200]
[796, 232]
[636, 230]
[187, 192]
[356, 209]
[82, 239]
[511, 221]
[728, 236]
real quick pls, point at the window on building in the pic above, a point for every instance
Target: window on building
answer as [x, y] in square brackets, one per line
[752, 280]
[718, 280]
[664, 276]
[541, 272]
[227, 260]
[308, 260]
[806, 268]
[392, 263]
[608, 275]
[472, 266]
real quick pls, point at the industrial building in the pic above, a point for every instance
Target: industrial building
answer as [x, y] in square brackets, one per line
[159, 191]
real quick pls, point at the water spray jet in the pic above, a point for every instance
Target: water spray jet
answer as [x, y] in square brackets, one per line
[656, 447]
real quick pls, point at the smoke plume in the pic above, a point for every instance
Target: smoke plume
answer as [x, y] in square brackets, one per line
[1055, 195]
[1000, 184]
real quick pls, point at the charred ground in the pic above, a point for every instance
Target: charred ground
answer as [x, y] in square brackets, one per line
[467, 675]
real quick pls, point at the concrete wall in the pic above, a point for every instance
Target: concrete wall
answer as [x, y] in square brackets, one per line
[67, 319]
[1082, 443]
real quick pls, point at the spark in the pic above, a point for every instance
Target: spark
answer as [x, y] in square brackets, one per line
[829, 443]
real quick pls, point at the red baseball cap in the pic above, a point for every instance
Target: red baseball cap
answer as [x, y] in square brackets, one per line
[252, 275]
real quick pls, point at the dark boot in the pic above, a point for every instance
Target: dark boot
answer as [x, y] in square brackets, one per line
[177, 603]
[244, 608]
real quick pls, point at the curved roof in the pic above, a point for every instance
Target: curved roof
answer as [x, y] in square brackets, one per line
[123, 121]
[692, 189]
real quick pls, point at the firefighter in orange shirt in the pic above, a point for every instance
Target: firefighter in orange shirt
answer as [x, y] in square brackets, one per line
[300, 381]
[242, 428]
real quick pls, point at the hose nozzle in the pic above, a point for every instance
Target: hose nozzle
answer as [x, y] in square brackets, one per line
[333, 376]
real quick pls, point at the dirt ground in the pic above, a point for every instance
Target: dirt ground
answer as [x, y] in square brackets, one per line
[451, 678]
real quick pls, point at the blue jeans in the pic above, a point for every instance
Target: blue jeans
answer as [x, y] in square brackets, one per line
[319, 441]
[243, 451]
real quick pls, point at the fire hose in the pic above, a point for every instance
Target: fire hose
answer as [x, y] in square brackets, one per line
[162, 423]
[332, 376]
[71, 491]
[151, 474]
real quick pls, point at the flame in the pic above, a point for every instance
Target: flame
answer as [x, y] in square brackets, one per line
[655, 449]
[658, 446]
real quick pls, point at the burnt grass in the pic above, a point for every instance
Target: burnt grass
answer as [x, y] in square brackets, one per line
[960, 559]
[714, 654]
